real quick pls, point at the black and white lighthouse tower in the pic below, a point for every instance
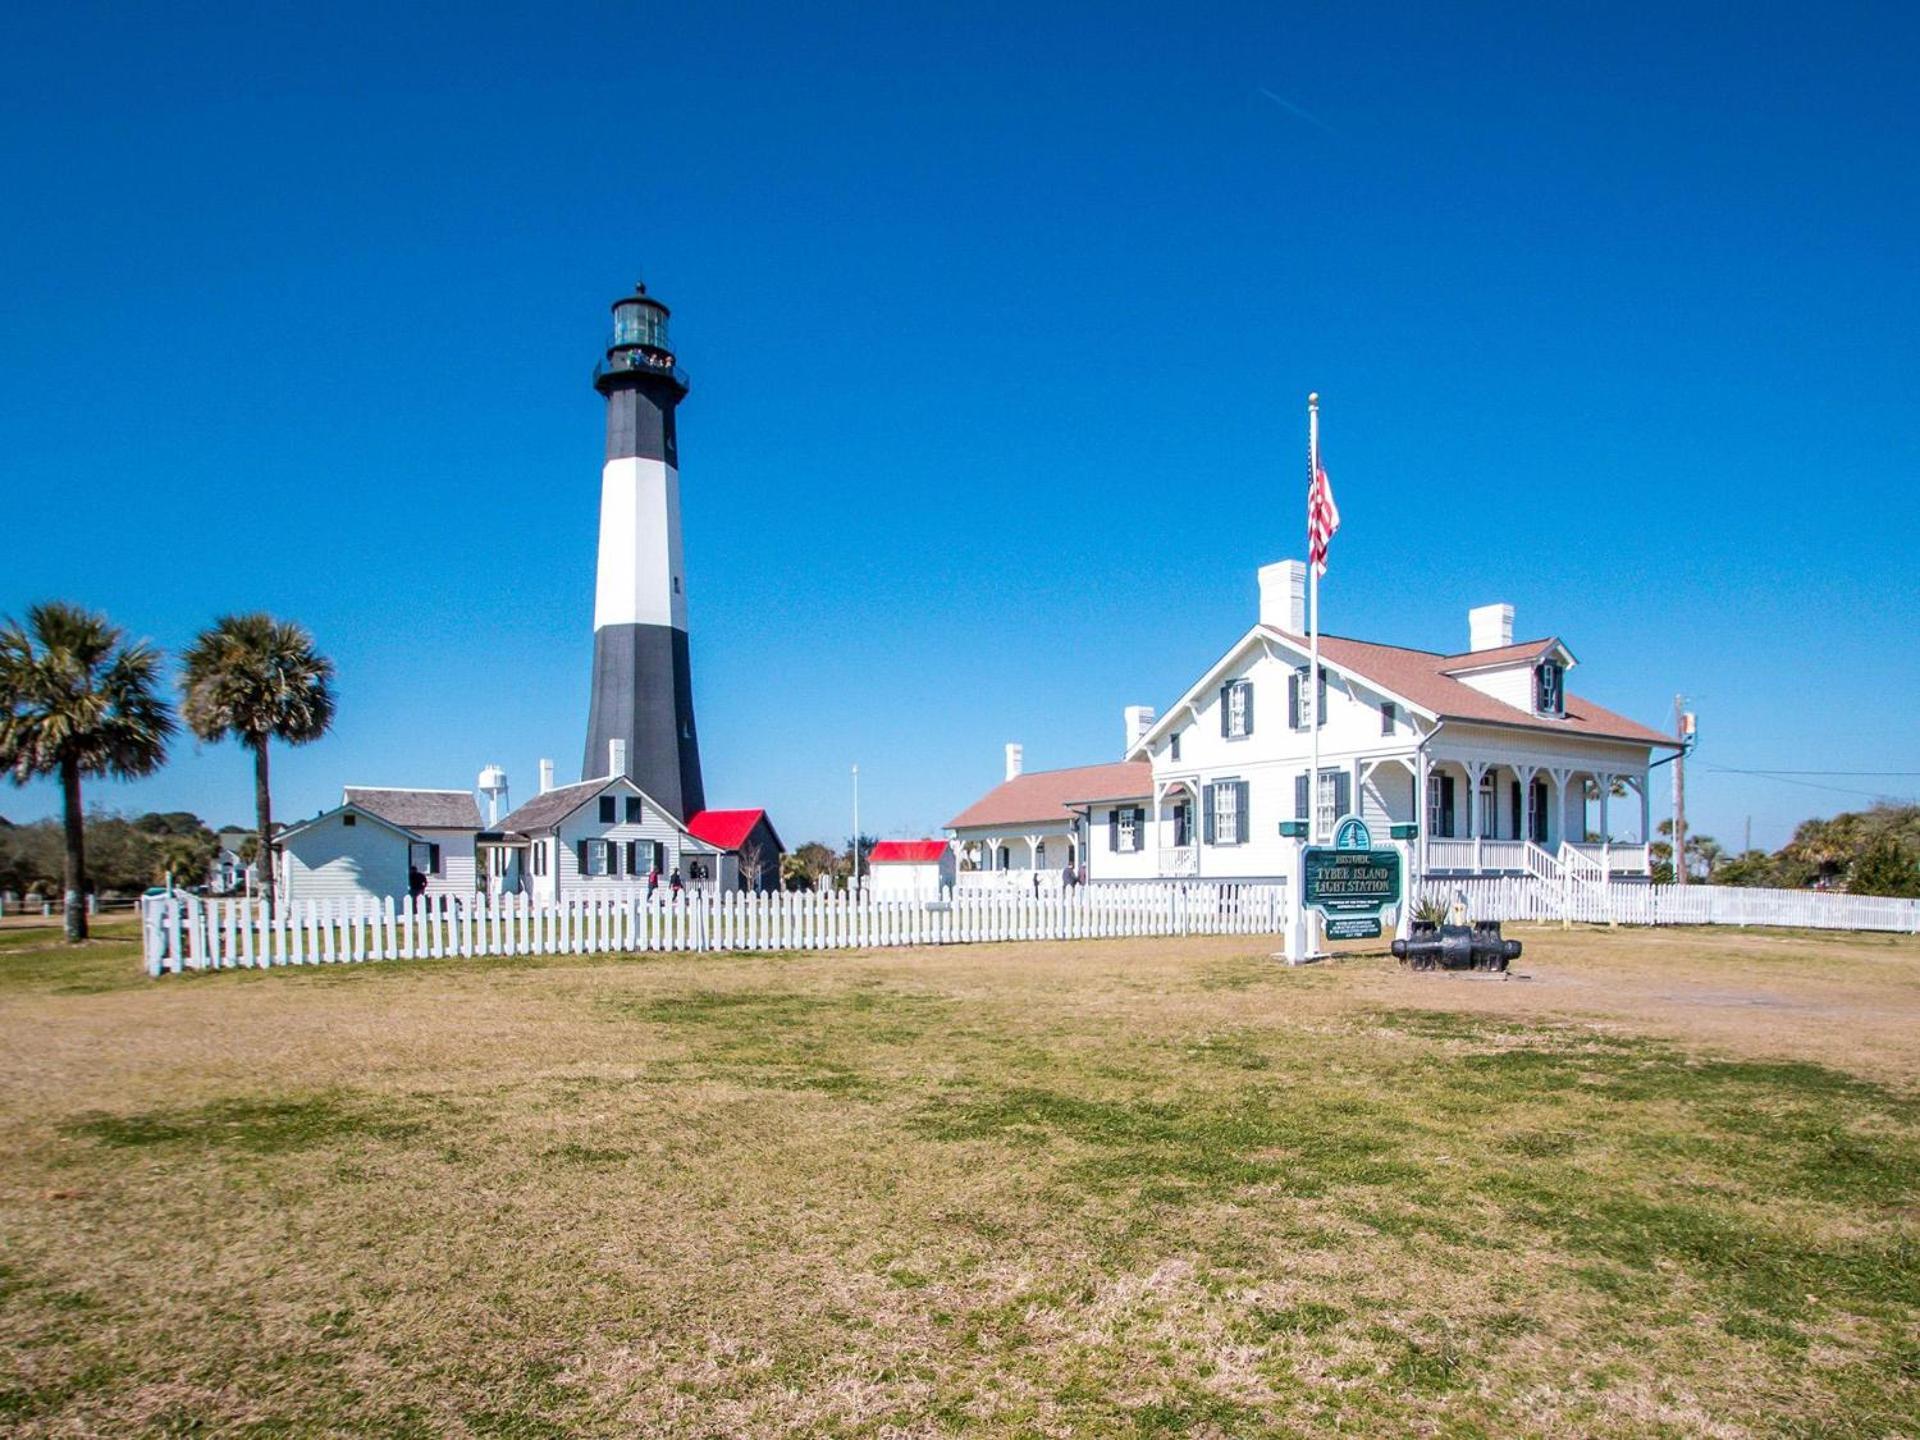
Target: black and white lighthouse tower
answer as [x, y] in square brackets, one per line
[641, 720]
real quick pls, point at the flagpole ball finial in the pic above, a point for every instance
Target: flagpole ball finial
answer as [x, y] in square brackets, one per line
[1313, 398]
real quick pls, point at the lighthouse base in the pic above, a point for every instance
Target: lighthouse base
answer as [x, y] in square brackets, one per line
[643, 694]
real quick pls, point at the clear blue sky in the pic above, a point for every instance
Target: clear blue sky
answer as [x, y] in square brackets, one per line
[1000, 323]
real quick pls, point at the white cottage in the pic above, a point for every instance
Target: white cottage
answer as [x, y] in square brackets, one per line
[369, 846]
[602, 837]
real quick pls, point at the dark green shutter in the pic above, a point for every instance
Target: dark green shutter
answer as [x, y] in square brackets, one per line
[1113, 831]
[1300, 797]
[1206, 813]
[1224, 691]
[1342, 794]
[1293, 701]
[1139, 828]
[1320, 699]
[581, 854]
[1248, 713]
[1240, 813]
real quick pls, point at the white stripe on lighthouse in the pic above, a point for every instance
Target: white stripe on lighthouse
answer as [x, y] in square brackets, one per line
[640, 576]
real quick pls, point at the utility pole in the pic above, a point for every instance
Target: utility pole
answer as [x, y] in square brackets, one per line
[1682, 729]
[1746, 845]
[856, 829]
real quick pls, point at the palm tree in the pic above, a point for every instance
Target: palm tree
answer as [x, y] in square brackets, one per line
[253, 678]
[76, 700]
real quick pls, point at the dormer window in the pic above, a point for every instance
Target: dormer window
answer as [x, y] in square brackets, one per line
[1550, 688]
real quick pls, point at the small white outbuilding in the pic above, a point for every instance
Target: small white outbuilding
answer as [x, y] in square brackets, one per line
[909, 869]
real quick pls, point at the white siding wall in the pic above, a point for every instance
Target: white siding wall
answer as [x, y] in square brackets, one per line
[455, 876]
[894, 880]
[1274, 754]
[585, 824]
[332, 860]
[1107, 863]
[1512, 685]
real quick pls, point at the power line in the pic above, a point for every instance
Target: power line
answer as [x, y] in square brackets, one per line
[1888, 774]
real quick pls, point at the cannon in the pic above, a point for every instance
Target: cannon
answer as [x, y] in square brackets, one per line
[1456, 947]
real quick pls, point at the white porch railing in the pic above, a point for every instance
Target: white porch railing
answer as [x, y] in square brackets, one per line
[1613, 858]
[982, 881]
[1477, 856]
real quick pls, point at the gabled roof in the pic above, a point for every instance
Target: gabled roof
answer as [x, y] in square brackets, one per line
[1500, 656]
[729, 829]
[1426, 679]
[907, 852]
[547, 810]
[1424, 682]
[543, 813]
[286, 832]
[417, 809]
[1043, 796]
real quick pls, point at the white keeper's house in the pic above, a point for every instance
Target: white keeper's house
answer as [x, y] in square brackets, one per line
[1502, 768]
[367, 846]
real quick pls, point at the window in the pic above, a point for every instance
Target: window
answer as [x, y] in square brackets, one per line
[633, 810]
[1226, 813]
[433, 859]
[1334, 800]
[539, 854]
[1040, 856]
[1236, 709]
[1298, 701]
[1489, 817]
[1549, 688]
[593, 857]
[1173, 747]
[348, 820]
[1388, 711]
[1182, 825]
[606, 809]
[1126, 830]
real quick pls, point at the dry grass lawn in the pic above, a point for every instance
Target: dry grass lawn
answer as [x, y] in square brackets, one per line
[1667, 1187]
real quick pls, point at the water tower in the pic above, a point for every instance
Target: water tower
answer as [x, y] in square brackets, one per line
[493, 785]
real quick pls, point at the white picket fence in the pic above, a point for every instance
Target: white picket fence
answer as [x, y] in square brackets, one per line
[191, 934]
[1522, 897]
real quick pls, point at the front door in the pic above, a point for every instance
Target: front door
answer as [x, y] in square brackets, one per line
[1537, 818]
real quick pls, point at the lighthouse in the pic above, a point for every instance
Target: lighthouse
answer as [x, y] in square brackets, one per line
[640, 723]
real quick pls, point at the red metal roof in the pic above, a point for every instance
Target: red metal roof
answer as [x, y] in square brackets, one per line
[907, 852]
[724, 829]
[1045, 794]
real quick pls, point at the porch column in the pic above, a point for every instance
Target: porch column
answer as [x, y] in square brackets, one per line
[1524, 774]
[1605, 782]
[1153, 819]
[1420, 768]
[1646, 818]
[1562, 777]
[1476, 771]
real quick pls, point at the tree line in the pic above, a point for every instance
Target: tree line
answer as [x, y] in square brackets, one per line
[1864, 852]
[124, 854]
[79, 701]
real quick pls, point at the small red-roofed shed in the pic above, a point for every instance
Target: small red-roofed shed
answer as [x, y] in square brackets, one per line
[749, 836]
[918, 868]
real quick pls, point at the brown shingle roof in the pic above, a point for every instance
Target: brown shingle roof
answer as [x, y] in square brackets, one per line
[418, 809]
[543, 812]
[1421, 676]
[1044, 795]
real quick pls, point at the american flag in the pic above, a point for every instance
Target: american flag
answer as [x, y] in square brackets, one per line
[1323, 518]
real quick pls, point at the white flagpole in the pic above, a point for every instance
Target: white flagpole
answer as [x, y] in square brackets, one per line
[1312, 698]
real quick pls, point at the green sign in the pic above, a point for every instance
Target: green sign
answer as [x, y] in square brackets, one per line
[1353, 927]
[1350, 882]
[1352, 834]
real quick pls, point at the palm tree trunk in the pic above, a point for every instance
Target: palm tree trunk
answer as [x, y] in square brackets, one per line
[76, 868]
[263, 818]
